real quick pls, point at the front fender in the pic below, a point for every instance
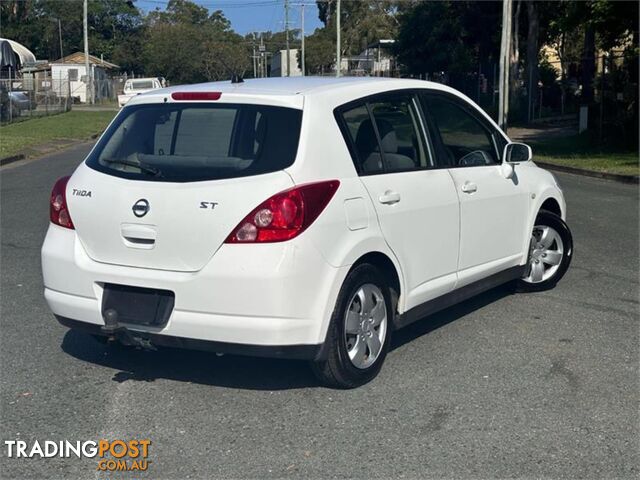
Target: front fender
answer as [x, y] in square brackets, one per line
[545, 193]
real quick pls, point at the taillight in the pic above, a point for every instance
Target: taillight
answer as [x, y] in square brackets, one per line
[285, 215]
[58, 209]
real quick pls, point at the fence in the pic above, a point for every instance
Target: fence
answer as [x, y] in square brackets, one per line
[33, 96]
[39, 94]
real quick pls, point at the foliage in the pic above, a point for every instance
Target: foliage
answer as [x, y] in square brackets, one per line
[447, 36]
[115, 28]
[183, 43]
[320, 51]
[186, 44]
[361, 22]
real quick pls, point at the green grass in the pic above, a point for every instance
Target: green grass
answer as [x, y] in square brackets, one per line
[31, 135]
[578, 152]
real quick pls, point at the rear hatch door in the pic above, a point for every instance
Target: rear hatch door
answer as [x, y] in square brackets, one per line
[167, 183]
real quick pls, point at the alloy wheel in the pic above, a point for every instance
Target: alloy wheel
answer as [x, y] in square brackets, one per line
[365, 325]
[547, 250]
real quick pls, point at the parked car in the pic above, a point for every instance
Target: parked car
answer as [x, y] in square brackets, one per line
[297, 218]
[20, 101]
[12, 103]
[136, 86]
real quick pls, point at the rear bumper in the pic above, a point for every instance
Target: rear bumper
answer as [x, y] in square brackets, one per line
[267, 296]
[296, 352]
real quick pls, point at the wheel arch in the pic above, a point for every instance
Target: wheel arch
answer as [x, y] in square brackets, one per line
[551, 200]
[551, 205]
[385, 265]
[389, 270]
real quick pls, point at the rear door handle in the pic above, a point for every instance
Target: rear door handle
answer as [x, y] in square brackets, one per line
[389, 197]
[469, 187]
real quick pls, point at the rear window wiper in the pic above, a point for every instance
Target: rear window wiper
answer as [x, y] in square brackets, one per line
[149, 170]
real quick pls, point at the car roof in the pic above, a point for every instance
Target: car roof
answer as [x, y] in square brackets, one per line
[303, 85]
[291, 91]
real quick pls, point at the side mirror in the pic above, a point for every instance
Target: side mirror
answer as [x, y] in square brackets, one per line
[517, 153]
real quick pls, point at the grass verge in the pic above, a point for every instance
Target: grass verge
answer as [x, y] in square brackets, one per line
[577, 152]
[35, 136]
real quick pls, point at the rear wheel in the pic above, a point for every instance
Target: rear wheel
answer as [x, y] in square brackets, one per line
[359, 332]
[550, 253]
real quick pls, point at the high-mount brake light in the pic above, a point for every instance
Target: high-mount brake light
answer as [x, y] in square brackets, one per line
[285, 215]
[195, 96]
[58, 208]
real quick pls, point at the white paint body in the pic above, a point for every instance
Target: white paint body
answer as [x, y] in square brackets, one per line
[437, 237]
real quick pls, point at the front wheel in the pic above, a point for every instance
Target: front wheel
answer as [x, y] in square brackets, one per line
[550, 253]
[359, 332]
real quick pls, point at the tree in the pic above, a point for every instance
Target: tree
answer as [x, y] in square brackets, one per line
[186, 44]
[320, 52]
[112, 24]
[533, 51]
[225, 54]
[362, 22]
[448, 36]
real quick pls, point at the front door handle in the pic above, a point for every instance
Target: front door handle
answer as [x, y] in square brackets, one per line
[389, 197]
[469, 187]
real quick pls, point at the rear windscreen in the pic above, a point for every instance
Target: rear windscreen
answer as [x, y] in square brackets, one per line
[145, 84]
[192, 142]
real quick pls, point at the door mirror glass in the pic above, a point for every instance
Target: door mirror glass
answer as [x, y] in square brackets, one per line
[517, 153]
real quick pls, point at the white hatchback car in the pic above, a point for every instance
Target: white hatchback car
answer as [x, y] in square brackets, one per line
[299, 218]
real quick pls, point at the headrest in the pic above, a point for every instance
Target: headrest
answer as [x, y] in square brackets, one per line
[388, 137]
[366, 141]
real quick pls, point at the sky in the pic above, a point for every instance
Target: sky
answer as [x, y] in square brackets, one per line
[254, 15]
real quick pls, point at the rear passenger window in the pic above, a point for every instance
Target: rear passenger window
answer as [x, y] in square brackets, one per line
[461, 139]
[390, 141]
[363, 138]
[398, 127]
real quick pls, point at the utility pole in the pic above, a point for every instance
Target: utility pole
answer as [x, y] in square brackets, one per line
[286, 27]
[253, 57]
[89, 73]
[302, 53]
[263, 61]
[60, 36]
[338, 58]
[505, 49]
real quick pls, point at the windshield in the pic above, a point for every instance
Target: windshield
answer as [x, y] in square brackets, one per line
[193, 142]
[141, 85]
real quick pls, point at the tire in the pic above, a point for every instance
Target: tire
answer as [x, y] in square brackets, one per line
[349, 361]
[550, 253]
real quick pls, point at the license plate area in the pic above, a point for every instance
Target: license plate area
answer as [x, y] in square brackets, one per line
[137, 305]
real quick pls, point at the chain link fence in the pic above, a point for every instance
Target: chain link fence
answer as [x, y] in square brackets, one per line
[34, 96]
[31, 96]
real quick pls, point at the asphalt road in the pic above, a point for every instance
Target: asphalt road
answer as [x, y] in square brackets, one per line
[537, 385]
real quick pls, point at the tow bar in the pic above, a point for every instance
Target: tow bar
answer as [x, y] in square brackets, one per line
[118, 332]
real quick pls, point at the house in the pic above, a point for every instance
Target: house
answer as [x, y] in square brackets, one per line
[376, 60]
[70, 73]
[279, 64]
